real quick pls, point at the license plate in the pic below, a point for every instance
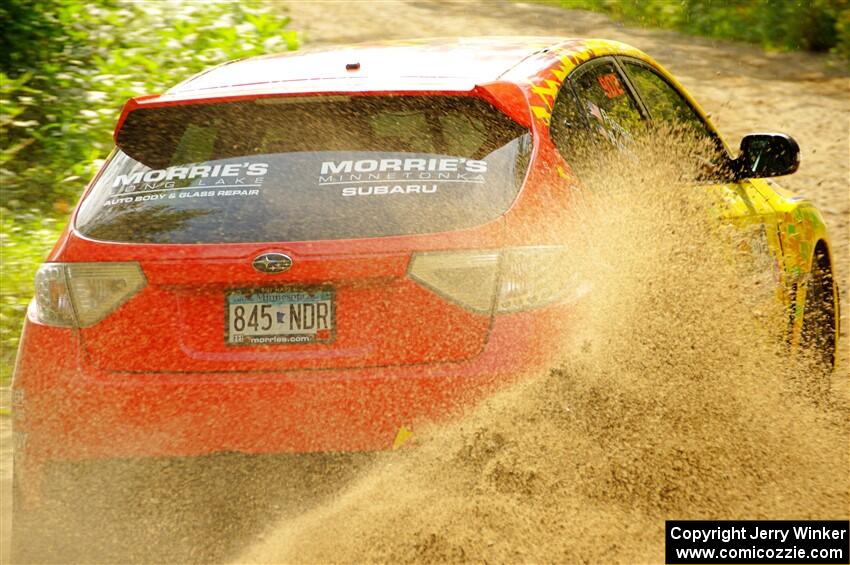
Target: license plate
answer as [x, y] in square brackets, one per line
[269, 316]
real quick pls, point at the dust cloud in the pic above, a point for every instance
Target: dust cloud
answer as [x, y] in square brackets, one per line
[678, 399]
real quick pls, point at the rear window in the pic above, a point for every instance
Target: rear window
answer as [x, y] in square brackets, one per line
[284, 169]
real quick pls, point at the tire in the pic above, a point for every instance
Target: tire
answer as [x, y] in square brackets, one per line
[24, 527]
[19, 527]
[818, 337]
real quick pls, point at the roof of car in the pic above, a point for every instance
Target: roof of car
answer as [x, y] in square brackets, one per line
[536, 65]
[421, 64]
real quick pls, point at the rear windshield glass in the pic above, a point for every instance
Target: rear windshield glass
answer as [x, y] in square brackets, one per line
[284, 169]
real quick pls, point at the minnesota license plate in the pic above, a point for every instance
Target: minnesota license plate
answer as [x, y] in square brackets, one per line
[271, 316]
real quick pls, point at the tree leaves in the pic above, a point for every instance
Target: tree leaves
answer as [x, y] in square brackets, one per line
[75, 62]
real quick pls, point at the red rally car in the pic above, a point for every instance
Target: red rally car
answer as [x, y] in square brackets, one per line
[316, 251]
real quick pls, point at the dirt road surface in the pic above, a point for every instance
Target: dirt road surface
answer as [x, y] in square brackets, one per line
[743, 88]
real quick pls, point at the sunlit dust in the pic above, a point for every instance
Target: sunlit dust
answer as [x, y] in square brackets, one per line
[677, 397]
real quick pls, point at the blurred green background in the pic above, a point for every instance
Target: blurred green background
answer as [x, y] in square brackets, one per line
[67, 67]
[812, 25]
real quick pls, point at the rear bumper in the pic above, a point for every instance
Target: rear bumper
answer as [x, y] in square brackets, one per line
[66, 410]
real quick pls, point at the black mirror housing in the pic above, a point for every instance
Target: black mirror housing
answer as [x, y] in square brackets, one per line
[767, 155]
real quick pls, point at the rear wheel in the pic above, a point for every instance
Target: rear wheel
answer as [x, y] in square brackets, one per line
[819, 319]
[27, 539]
[20, 526]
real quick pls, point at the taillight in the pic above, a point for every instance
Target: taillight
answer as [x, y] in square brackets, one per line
[82, 294]
[507, 280]
[467, 278]
[52, 300]
[533, 277]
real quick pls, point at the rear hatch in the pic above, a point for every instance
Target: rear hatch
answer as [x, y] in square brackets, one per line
[278, 233]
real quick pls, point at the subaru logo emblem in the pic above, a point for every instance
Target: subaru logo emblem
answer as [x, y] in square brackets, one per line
[272, 263]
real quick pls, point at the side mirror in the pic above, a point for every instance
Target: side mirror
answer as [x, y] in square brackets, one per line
[767, 155]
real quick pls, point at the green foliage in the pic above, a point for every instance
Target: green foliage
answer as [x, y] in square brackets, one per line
[25, 239]
[66, 69]
[69, 65]
[814, 25]
[842, 33]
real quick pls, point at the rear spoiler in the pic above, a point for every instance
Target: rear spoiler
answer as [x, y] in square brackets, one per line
[508, 97]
